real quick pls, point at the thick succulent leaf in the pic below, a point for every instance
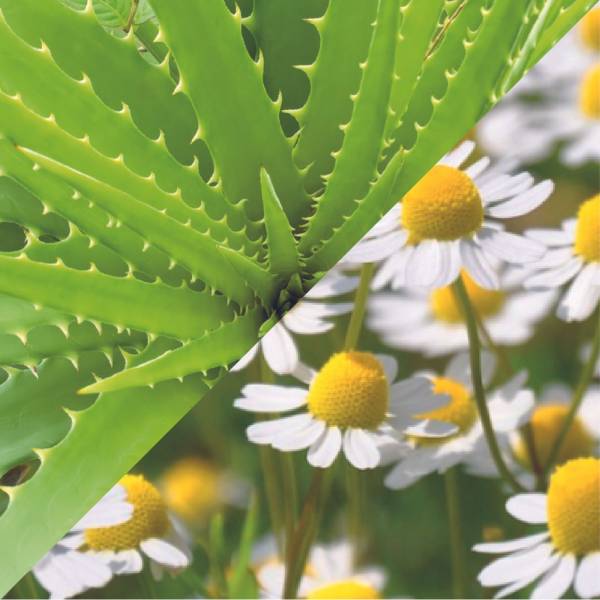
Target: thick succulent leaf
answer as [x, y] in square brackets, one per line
[217, 348]
[197, 252]
[286, 38]
[242, 133]
[123, 301]
[281, 244]
[345, 31]
[356, 162]
[107, 440]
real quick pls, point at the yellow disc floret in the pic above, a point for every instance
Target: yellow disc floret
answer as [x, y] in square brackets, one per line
[589, 29]
[351, 390]
[348, 590]
[149, 519]
[587, 233]
[191, 488]
[444, 205]
[487, 303]
[574, 506]
[546, 423]
[589, 93]
[460, 410]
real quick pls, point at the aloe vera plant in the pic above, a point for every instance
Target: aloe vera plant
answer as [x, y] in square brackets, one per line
[173, 179]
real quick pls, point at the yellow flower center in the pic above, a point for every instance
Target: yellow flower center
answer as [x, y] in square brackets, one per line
[589, 29]
[546, 423]
[460, 410]
[351, 390]
[587, 233]
[574, 506]
[149, 519]
[349, 590]
[589, 93]
[487, 303]
[191, 488]
[444, 205]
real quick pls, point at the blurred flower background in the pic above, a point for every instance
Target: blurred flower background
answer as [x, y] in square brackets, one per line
[236, 495]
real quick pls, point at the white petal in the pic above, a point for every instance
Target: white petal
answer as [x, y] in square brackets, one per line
[376, 249]
[457, 157]
[587, 582]
[268, 398]
[127, 561]
[265, 432]
[431, 428]
[549, 237]
[478, 167]
[582, 297]
[325, 450]
[511, 545]
[246, 359]
[478, 265]
[530, 562]
[404, 474]
[390, 366]
[509, 246]
[424, 264]
[333, 284]
[529, 508]
[360, 449]
[165, 553]
[289, 441]
[523, 203]
[557, 581]
[556, 276]
[112, 509]
[280, 350]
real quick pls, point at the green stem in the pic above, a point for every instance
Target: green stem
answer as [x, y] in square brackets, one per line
[132, 11]
[456, 542]
[305, 532]
[357, 509]
[525, 431]
[360, 305]
[289, 495]
[475, 359]
[587, 374]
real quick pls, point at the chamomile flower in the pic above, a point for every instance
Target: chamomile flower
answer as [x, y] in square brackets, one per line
[546, 421]
[448, 221]
[431, 322]
[310, 316]
[508, 406]
[568, 552]
[104, 545]
[329, 573]
[63, 571]
[350, 405]
[574, 256]
[194, 488]
[567, 83]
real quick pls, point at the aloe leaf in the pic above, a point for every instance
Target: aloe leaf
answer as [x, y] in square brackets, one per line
[195, 251]
[121, 426]
[345, 30]
[217, 348]
[281, 244]
[243, 133]
[356, 162]
[124, 301]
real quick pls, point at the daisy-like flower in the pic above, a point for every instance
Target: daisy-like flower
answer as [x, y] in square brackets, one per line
[574, 255]
[432, 322]
[568, 552]
[194, 488]
[567, 83]
[448, 221]
[308, 317]
[350, 405]
[132, 520]
[546, 421]
[329, 573]
[508, 406]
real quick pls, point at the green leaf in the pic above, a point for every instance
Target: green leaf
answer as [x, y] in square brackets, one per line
[243, 133]
[356, 163]
[122, 426]
[345, 31]
[281, 244]
[122, 301]
[217, 348]
[115, 13]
